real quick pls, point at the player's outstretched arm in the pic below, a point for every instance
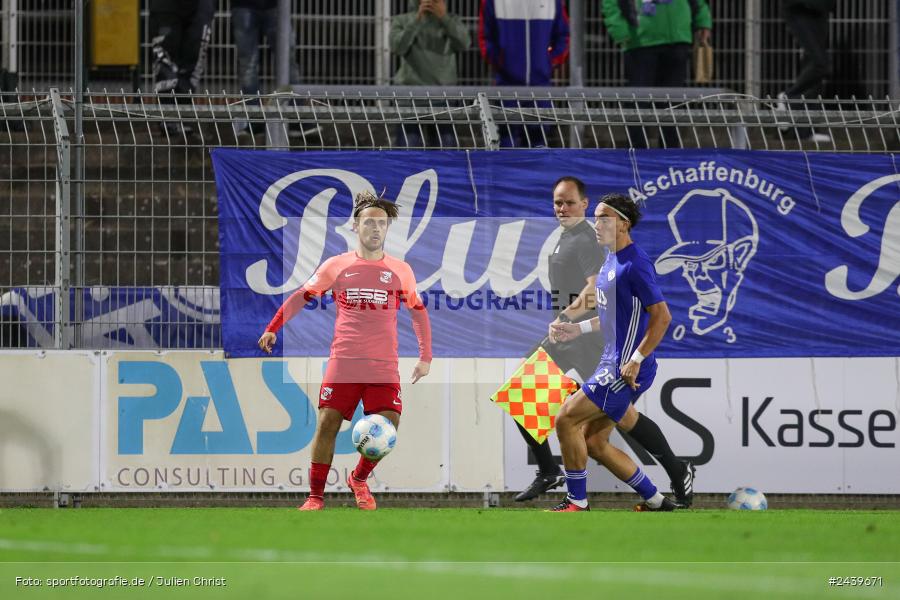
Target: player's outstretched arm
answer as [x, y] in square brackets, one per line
[291, 307]
[420, 321]
[566, 332]
[422, 326]
[660, 317]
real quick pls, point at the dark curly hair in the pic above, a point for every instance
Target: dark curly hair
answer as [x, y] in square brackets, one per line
[366, 200]
[624, 205]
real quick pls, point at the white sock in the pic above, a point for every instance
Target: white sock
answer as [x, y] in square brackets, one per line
[578, 503]
[656, 501]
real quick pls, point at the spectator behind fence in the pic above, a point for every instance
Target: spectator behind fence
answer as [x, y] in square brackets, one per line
[656, 36]
[181, 30]
[251, 21]
[427, 40]
[808, 22]
[522, 41]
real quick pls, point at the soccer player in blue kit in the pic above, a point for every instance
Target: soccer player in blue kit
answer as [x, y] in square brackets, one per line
[633, 317]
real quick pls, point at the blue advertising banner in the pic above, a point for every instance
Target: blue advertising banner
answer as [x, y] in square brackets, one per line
[115, 317]
[759, 254]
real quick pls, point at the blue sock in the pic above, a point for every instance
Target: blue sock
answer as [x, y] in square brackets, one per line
[641, 484]
[576, 481]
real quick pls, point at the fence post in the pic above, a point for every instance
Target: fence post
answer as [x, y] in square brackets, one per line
[382, 47]
[576, 43]
[276, 124]
[488, 126]
[740, 140]
[61, 326]
[576, 61]
[283, 45]
[894, 57]
[10, 36]
[753, 51]
[78, 171]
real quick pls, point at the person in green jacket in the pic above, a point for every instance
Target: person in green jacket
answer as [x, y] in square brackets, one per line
[656, 36]
[427, 39]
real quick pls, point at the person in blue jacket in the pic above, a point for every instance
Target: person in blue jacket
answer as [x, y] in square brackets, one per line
[523, 41]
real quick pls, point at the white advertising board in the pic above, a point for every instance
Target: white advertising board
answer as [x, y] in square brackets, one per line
[196, 421]
[48, 427]
[178, 421]
[783, 425]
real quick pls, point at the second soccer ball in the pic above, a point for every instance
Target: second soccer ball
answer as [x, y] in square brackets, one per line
[747, 498]
[374, 436]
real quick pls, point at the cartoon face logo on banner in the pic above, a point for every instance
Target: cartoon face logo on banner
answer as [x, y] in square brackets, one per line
[714, 268]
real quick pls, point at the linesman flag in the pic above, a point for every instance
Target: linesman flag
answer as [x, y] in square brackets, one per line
[534, 393]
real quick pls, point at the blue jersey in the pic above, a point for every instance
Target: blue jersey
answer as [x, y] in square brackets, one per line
[626, 286]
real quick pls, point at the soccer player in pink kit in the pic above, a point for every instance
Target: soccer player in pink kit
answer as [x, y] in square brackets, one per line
[368, 287]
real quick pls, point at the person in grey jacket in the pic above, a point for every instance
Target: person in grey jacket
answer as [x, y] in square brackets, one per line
[427, 39]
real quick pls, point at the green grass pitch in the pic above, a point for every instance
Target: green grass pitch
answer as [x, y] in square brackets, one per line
[449, 553]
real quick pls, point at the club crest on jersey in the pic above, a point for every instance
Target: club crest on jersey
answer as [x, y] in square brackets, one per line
[326, 393]
[386, 277]
[611, 275]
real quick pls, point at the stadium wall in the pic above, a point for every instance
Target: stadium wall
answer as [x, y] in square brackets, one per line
[197, 422]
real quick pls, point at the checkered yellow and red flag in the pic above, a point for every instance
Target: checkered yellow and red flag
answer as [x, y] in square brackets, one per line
[534, 393]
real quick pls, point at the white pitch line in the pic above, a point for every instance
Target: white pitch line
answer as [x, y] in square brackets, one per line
[642, 575]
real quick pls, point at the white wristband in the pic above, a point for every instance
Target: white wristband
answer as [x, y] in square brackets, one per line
[586, 326]
[637, 357]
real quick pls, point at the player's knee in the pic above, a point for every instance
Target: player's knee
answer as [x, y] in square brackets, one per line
[597, 448]
[597, 443]
[564, 420]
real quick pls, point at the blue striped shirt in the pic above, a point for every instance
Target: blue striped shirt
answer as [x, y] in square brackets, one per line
[626, 286]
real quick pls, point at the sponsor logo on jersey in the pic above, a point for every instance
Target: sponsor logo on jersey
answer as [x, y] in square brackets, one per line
[365, 296]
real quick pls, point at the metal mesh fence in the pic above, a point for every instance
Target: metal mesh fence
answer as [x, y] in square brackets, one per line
[126, 253]
[29, 215]
[344, 42]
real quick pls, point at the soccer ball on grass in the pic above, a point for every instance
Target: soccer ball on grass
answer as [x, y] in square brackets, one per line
[374, 436]
[747, 498]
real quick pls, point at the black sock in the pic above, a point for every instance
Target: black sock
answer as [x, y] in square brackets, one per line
[648, 434]
[546, 462]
